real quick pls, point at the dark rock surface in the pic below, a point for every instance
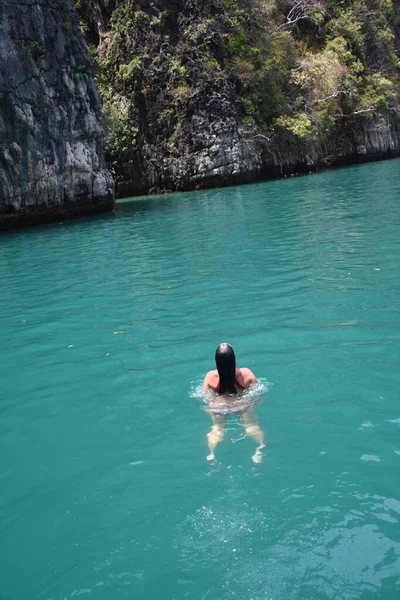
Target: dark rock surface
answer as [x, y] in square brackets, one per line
[51, 157]
[187, 108]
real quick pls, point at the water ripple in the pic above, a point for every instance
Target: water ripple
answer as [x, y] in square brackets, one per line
[108, 327]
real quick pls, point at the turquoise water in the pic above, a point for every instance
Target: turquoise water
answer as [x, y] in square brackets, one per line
[105, 488]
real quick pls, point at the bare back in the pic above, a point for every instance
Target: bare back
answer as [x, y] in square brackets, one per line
[243, 378]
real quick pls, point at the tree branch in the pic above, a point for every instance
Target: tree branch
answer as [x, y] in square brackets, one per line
[301, 9]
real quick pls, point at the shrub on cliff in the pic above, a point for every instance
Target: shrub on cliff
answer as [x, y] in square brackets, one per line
[300, 69]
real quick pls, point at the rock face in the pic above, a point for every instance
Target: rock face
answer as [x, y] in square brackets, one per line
[211, 148]
[184, 70]
[51, 158]
[222, 153]
[377, 139]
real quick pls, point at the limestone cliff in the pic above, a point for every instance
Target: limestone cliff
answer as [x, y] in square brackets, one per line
[51, 156]
[220, 92]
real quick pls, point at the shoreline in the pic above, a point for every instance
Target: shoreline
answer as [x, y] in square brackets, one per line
[37, 216]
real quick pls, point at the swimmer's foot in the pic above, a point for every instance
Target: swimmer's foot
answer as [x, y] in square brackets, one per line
[257, 457]
[211, 456]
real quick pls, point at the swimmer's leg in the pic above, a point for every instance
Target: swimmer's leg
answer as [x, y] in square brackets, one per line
[248, 419]
[217, 433]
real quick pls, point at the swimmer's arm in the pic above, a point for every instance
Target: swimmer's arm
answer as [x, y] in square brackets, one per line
[206, 385]
[249, 376]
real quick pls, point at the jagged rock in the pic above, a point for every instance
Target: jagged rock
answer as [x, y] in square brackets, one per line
[51, 160]
[188, 110]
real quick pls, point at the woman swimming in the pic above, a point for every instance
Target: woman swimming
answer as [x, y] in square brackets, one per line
[227, 382]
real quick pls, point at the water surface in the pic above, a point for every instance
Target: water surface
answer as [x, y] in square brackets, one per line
[108, 326]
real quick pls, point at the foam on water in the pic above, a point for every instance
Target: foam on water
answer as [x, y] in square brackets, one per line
[213, 403]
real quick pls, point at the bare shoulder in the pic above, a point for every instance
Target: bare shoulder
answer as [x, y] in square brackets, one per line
[212, 374]
[248, 375]
[210, 380]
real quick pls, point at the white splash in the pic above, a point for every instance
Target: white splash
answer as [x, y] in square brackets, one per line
[252, 396]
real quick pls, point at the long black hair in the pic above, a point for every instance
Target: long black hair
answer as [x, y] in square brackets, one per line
[226, 367]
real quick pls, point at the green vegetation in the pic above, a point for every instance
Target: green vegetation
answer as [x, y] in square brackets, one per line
[299, 69]
[33, 48]
[69, 30]
[119, 125]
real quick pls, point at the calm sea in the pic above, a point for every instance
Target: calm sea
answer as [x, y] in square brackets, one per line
[108, 326]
